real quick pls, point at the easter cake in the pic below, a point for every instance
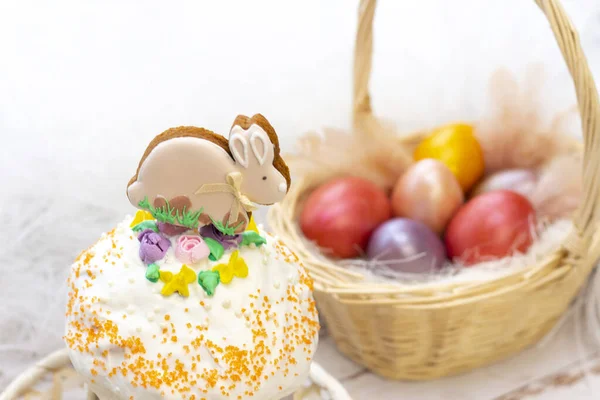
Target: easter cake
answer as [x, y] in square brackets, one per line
[189, 298]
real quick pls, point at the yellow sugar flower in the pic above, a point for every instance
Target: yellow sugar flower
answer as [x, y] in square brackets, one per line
[236, 266]
[141, 216]
[252, 225]
[178, 282]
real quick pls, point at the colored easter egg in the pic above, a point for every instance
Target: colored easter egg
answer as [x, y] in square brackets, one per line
[522, 181]
[492, 225]
[427, 192]
[342, 214]
[404, 245]
[455, 145]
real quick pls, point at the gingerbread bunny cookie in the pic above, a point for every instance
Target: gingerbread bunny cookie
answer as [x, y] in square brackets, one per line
[190, 177]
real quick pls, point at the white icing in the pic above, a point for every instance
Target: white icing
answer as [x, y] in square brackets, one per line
[145, 323]
[261, 154]
[240, 156]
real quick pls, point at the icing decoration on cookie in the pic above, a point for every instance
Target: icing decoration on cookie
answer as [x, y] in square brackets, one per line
[153, 246]
[236, 266]
[209, 280]
[142, 226]
[239, 148]
[168, 214]
[178, 282]
[141, 216]
[225, 228]
[189, 176]
[215, 248]
[153, 273]
[260, 151]
[252, 225]
[170, 230]
[190, 249]
[251, 237]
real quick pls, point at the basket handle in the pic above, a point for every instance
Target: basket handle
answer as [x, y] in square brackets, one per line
[587, 99]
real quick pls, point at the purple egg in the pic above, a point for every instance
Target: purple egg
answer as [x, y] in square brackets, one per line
[405, 245]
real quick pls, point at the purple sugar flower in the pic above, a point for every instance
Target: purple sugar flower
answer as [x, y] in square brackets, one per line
[227, 241]
[153, 246]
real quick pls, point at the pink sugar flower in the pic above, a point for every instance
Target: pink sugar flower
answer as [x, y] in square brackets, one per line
[190, 249]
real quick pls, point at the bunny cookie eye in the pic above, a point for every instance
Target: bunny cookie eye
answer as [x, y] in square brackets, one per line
[264, 178]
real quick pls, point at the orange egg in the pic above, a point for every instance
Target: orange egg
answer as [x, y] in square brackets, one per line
[427, 192]
[455, 146]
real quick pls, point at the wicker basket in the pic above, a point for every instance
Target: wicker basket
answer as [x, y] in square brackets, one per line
[53, 377]
[416, 333]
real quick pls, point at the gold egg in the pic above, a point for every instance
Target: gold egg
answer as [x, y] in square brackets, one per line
[456, 147]
[427, 192]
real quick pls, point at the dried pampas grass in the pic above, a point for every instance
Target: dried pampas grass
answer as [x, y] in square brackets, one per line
[331, 153]
[514, 134]
[558, 191]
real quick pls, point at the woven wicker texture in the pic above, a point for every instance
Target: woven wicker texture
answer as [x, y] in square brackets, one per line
[53, 377]
[420, 333]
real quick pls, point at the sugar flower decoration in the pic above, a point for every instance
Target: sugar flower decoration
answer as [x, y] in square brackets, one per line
[153, 273]
[215, 248]
[208, 280]
[252, 225]
[251, 237]
[141, 216]
[144, 225]
[236, 266]
[177, 282]
[153, 246]
[227, 241]
[190, 249]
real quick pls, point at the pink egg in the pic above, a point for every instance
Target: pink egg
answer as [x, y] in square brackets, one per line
[427, 192]
[341, 215]
[491, 225]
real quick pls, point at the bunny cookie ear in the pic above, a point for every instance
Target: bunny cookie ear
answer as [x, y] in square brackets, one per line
[261, 146]
[238, 145]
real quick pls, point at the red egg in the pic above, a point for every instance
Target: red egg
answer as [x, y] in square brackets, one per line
[491, 225]
[342, 214]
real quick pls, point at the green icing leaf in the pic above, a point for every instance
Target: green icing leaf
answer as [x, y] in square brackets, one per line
[145, 204]
[216, 249]
[225, 229]
[209, 280]
[171, 216]
[250, 237]
[189, 219]
[142, 226]
[152, 273]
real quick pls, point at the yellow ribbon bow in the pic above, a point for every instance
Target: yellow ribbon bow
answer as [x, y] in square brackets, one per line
[236, 266]
[233, 186]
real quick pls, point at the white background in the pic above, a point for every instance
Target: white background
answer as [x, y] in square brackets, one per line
[85, 85]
